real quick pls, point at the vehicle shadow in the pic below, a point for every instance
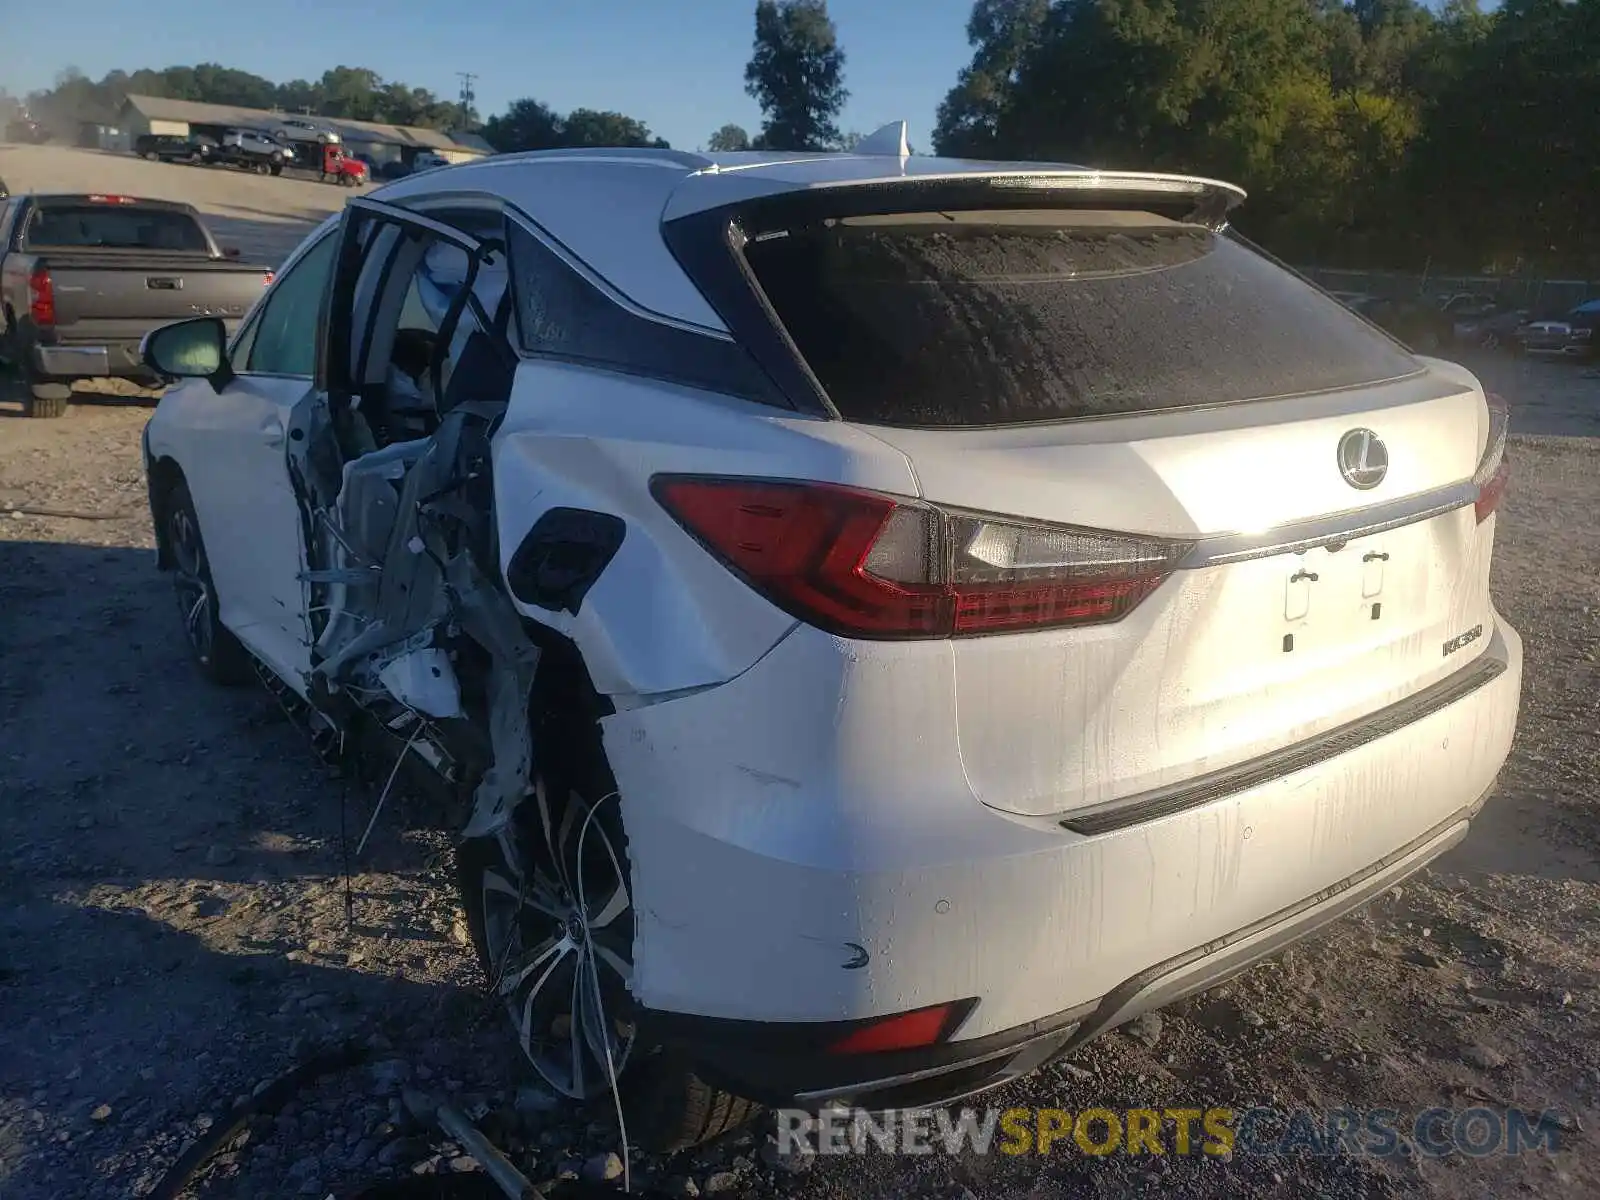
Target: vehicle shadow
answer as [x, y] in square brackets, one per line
[111, 1061]
[174, 874]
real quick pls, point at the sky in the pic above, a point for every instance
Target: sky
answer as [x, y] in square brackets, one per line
[677, 65]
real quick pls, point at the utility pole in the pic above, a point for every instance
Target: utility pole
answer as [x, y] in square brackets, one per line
[467, 99]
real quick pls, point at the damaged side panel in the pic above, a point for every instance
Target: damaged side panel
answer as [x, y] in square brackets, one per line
[410, 623]
[655, 615]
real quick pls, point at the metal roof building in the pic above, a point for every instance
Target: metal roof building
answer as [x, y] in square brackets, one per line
[157, 114]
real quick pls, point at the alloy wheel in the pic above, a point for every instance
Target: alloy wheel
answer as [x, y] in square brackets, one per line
[558, 928]
[191, 580]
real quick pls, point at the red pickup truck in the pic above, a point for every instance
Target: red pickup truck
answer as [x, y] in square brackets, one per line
[84, 277]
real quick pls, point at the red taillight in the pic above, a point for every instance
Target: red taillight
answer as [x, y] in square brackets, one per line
[101, 199]
[867, 565]
[906, 1031]
[1494, 468]
[41, 297]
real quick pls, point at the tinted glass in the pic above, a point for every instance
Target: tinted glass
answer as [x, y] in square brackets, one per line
[560, 314]
[114, 228]
[950, 319]
[285, 338]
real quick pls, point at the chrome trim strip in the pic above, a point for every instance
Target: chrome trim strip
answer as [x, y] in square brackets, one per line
[408, 216]
[1326, 531]
[1253, 772]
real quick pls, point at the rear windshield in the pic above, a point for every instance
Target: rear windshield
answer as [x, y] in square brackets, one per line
[114, 228]
[950, 319]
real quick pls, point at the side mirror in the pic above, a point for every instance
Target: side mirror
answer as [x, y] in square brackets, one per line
[230, 252]
[193, 349]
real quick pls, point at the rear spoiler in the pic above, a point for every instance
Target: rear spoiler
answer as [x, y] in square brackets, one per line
[1191, 198]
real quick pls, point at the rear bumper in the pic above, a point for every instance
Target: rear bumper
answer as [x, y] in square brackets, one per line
[117, 357]
[788, 1066]
[835, 866]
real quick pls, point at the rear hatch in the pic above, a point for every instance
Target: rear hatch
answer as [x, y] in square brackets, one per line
[1301, 485]
[118, 270]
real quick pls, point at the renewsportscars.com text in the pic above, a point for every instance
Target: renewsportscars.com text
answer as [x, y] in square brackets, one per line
[1212, 1132]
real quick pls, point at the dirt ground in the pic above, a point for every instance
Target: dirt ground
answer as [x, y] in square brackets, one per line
[174, 926]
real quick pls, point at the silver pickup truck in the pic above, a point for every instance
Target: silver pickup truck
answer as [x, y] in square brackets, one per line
[84, 277]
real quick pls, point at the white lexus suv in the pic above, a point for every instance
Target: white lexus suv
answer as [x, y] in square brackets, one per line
[889, 619]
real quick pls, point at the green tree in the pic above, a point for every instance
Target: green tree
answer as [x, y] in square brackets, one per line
[1509, 154]
[587, 127]
[730, 137]
[526, 125]
[533, 125]
[350, 92]
[1002, 33]
[796, 74]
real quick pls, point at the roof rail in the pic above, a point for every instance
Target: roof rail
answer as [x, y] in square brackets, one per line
[681, 158]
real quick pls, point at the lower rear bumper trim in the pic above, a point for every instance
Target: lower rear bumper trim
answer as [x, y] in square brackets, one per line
[1164, 802]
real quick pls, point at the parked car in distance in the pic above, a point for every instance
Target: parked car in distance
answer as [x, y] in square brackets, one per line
[164, 147]
[427, 160]
[1571, 336]
[879, 664]
[296, 129]
[84, 277]
[1491, 329]
[252, 150]
[1462, 305]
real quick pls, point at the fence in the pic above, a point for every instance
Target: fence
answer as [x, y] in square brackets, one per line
[1541, 296]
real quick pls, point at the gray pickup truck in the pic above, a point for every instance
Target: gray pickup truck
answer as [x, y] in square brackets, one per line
[84, 278]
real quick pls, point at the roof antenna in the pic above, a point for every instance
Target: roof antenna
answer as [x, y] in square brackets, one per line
[890, 140]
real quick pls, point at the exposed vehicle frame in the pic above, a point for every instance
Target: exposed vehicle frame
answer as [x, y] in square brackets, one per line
[831, 728]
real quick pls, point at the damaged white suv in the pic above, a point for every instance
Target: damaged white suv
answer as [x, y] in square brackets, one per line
[892, 619]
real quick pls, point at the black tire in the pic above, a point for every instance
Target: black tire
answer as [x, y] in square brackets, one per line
[49, 400]
[666, 1106]
[153, 156]
[219, 655]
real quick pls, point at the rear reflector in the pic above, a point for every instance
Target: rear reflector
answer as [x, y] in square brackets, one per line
[42, 298]
[907, 1031]
[862, 564]
[1494, 468]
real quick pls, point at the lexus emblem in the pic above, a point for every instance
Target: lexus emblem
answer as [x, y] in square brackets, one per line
[1363, 459]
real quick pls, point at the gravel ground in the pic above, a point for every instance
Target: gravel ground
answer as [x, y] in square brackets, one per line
[174, 926]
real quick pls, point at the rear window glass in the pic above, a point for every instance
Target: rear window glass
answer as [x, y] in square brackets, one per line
[948, 319]
[115, 228]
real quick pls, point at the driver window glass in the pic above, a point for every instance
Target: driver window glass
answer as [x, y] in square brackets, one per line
[284, 339]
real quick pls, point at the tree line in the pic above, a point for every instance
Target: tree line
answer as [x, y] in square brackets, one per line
[1367, 132]
[1373, 132]
[351, 93]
